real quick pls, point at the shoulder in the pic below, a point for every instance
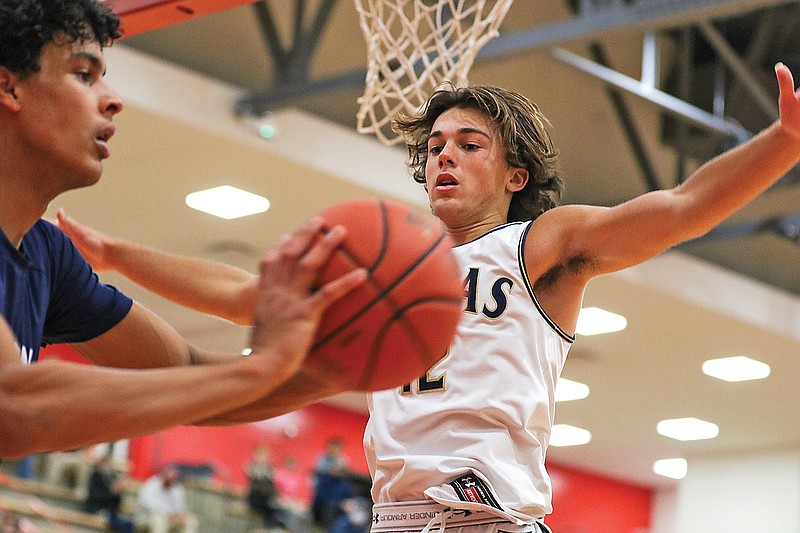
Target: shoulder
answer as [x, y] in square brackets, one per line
[46, 238]
[43, 233]
[551, 245]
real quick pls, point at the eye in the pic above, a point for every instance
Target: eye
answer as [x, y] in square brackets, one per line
[435, 150]
[471, 147]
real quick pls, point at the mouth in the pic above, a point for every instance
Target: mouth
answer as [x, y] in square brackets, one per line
[102, 138]
[445, 181]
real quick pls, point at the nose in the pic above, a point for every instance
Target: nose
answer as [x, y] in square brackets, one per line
[445, 156]
[110, 102]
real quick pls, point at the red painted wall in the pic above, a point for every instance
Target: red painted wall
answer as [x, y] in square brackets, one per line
[583, 502]
[301, 435]
[588, 503]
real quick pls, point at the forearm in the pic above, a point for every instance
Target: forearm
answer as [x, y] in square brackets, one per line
[300, 390]
[205, 286]
[728, 182]
[55, 405]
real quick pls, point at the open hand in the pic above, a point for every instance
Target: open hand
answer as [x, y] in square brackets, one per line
[92, 244]
[288, 309]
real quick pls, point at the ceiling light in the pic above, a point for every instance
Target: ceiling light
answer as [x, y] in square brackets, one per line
[567, 390]
[672, 468]
[739, 368]
[227, 202]
[594, 321]
[687, 429]
[266, 131]
[566, 435]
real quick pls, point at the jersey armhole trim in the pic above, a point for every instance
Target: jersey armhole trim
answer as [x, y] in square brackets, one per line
[529, 286]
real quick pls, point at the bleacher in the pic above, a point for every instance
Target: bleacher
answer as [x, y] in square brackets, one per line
[47, 507]
[52, 507]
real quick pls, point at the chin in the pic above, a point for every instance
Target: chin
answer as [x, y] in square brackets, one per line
[86, 177]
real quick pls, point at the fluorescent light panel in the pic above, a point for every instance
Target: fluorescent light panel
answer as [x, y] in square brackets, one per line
[687, 429]
[566, 435]
[227, 202]
[672, 468]
[739, 368]
[594, 321]
[568, 390]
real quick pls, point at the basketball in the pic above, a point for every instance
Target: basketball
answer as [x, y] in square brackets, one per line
[396, 325]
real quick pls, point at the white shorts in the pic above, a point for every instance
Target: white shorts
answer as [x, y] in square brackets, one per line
[431, 517]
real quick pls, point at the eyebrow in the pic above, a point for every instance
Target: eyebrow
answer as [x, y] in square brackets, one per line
[93, 59]
[460, 131]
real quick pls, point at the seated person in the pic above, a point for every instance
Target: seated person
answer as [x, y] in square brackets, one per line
[162, 505]
[104, 494]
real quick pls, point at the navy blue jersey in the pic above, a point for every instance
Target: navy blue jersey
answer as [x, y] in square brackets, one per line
[49, 293]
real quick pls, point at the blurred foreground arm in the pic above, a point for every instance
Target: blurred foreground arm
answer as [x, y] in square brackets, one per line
[204, 286]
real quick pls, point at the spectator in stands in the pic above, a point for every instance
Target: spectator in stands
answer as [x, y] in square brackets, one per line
[291, 484]
[26, 466]
[331, 484]
[104, 494]
[261, 491]
[355, 518]
[162, 504]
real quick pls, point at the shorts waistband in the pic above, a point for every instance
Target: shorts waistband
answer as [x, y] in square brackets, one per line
[402, 516]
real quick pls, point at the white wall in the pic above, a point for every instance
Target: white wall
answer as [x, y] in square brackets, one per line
[758, 493]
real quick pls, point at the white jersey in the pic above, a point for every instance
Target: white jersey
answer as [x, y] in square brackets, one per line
[474, 430]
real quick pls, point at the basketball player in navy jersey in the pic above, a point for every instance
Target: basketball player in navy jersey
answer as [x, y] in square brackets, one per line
[56, 123]
[444, 452]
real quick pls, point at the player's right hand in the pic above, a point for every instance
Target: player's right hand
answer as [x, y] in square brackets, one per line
[92, 244]
[288, 307]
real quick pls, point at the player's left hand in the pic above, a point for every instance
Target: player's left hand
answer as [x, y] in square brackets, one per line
[788, 101]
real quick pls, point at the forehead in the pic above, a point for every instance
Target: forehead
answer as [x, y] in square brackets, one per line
[62, 50]
[457, 118]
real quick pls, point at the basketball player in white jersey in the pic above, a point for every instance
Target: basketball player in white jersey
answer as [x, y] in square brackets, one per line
[462, 449]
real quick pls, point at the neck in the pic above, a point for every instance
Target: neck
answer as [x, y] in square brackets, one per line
[462, 232]
[23, 200]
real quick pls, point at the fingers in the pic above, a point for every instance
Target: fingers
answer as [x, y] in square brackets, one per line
[68, 225]
[297, 260]
[337, 288]
[785, 79]
[61, 218]
[313, 261]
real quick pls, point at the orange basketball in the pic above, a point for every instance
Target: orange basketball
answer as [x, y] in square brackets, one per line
[395, 326]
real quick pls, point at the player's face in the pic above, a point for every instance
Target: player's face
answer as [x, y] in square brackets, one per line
[65, 113]
[467, 174]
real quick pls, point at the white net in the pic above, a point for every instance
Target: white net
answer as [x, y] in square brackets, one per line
[415, 45]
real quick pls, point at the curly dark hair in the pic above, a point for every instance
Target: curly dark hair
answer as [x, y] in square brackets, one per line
[26, 26]
[520, 124]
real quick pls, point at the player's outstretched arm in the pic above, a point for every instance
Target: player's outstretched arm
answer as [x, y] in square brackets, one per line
[607, 239]
[56, 405]
[204, 286]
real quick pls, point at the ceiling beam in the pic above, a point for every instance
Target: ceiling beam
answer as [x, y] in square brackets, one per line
[637, 17]
[668, 102]
[592, 25]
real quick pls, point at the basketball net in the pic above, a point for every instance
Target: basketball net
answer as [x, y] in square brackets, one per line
[413, 46]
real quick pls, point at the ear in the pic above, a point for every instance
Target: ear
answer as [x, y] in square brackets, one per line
[518, 180]
[8, 85]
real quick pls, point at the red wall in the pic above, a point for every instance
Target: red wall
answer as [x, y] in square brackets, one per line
[583, 502]
[301, 434]
[588, 503]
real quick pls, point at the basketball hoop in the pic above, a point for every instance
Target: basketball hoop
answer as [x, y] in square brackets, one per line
[415, 45]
